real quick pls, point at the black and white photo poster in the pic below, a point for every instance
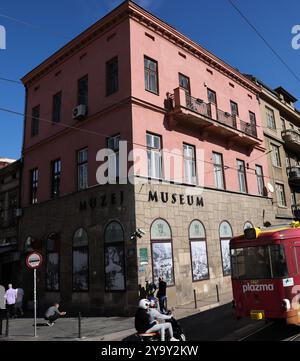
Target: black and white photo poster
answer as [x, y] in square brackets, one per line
[199, 260]
[163, 262]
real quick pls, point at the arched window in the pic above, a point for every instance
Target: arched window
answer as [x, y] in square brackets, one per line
[198, 249]
[162, 252]
[225, 236]
[52, 262]
[114, 253]
[80, 261]
[248, 225]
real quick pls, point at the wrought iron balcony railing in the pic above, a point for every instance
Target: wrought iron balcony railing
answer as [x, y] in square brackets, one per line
[226, 118]
[248, 128]
[197, 105]
[293, 174]
[291, 138]
[182, 99]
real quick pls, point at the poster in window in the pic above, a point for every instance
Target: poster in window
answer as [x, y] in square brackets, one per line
[163, 262]
[114, 268]
[80, 269]
[226, 257]
[199, 260]
[52, 276]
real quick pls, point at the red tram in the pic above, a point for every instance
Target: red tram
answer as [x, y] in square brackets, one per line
[266, 273]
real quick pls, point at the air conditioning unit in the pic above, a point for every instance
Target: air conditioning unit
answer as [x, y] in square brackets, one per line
[18, 212]
[80, 111]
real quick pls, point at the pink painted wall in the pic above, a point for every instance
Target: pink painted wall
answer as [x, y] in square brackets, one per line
[63, 143]
[170, 63]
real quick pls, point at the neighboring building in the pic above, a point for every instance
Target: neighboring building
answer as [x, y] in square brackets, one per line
[5, 162]
[9, 223]
[133, 77]
[281, 126]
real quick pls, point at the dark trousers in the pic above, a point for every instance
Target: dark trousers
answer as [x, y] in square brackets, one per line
[162, 303]
[11, 310]
[52, 318]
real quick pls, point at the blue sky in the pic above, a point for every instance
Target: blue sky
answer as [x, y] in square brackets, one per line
[35, 29]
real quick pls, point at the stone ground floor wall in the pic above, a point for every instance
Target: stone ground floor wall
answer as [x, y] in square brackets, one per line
[170, 203]
[93, 210]
[136, 207]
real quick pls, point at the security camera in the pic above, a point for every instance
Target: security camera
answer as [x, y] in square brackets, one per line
[141, 231]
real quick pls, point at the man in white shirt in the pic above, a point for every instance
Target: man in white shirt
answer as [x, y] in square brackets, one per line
[10, 297]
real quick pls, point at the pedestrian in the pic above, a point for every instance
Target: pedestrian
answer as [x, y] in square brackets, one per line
[53, 313]
[162, 294]
[19, 301]
[10, 297]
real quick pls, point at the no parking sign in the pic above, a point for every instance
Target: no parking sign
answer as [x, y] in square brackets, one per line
[34, 260]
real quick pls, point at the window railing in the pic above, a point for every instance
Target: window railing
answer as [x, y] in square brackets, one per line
[226, 118]
[248, 128]
[182, 98]
[293, 172]
[197, 105]
[291, 135]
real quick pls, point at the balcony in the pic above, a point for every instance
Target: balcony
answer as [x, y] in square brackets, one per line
[187, 111]
[296, 211]
[293, 174]
[291, 138]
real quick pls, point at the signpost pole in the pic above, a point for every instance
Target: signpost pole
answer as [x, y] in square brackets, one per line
[34, 297]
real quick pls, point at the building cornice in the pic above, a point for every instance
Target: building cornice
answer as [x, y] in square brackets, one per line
[131, 10]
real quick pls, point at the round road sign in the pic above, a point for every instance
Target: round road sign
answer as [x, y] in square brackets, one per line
[34, 260]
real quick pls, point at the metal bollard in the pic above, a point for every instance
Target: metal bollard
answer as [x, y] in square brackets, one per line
[195, 299]
[79, 325]
[218, 296]
[7, 327]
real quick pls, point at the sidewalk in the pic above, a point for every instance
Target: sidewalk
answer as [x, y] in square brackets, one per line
[94, 328]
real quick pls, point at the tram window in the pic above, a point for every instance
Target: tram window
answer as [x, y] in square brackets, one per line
[279, 266]
[258, 262]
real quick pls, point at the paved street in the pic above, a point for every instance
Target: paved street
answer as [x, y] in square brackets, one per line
[218, 324]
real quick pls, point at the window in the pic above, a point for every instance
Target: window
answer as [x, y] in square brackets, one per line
[112, 81]
[52, 262]
[56, 110]
[218, 170]
[275, 155]
[252, 119]
[12, 206]
[80, 261]
[280, 193]
[234, 108]
[242, 176]
[162, 252]
[189, 164]
[260, 180]
[114, 158]
[283, 126]
[259, 262]
[35, 121]
[184, 82]
[82, 169]
[34, 179]
[198, 248]
[83, 91]
[151, 75]
[248, 225]
[226, 234]
[287, 160]
[56, 175]
[114, 257]
[154, 156]
[270, 117]
[212, 96]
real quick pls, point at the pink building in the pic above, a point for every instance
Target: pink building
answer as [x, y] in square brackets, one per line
[132, 77]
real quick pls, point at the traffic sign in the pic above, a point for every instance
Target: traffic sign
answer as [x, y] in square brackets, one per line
[34, 260]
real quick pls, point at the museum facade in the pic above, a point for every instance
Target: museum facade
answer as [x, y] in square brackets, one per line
[195, 153]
